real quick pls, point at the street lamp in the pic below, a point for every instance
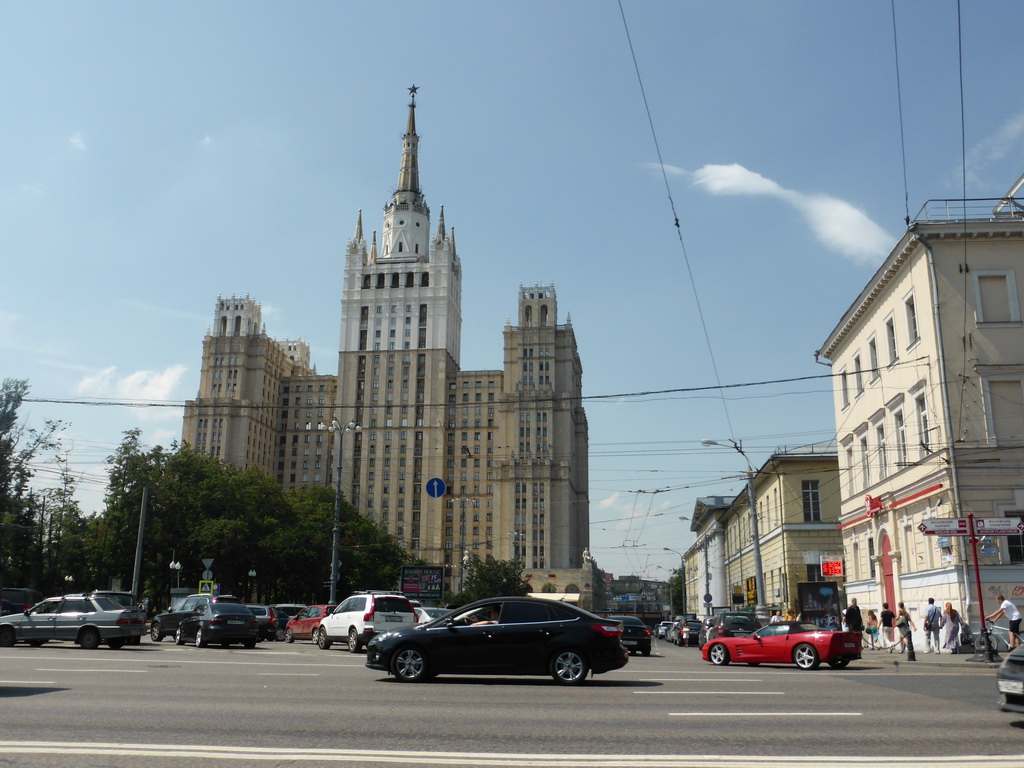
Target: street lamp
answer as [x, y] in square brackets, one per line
[336, 537]
[176, 567]
[754, 532]
[252, 587]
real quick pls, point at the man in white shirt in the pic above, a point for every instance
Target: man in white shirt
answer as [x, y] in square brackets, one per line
[1009, 610]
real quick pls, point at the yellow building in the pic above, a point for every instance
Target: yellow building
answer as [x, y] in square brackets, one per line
[928, 367]
[796, 495]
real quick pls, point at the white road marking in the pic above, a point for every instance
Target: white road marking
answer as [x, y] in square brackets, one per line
[27, 682]
[78, 671]
[712, 693]
[484, 759]
[768, 714]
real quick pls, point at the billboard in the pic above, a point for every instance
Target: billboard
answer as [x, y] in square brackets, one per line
[819, 603]
[423, 582]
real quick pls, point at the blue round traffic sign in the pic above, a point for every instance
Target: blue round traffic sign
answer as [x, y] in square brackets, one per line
[436, 487]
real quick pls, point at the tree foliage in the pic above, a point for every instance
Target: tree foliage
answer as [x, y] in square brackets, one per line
[25, 517]
[491, 578]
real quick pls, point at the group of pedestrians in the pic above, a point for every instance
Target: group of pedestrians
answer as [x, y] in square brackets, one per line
[889, 630]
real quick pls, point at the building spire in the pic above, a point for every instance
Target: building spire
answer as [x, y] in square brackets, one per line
[440, 226]
[359, 227]
[409, 174]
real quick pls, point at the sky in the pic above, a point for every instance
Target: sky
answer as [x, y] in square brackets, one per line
[155, 156]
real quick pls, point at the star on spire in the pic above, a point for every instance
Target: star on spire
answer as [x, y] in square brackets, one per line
[412, 91]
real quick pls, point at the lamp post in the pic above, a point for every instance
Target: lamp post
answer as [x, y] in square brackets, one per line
[754, 532]
[176, 567]
[682, 580]
[252, 586]
[336, 536]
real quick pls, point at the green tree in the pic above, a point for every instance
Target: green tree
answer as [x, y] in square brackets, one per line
[491, 578]
[20, 445]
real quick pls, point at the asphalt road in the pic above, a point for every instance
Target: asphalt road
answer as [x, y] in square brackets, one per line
[285, 705]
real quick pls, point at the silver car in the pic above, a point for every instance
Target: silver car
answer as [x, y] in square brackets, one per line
[84, 619]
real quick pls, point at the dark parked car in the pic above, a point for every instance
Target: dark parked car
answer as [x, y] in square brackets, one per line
[1010, 679]
[729, 624]
[166, 624]
[306, 623]
[503, 636]
[636, 635]
[266, 618]
[20, 598]
[222, 623]
[688, 633]
[82, 619]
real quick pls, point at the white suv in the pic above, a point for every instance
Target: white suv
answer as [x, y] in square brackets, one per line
[362, 616]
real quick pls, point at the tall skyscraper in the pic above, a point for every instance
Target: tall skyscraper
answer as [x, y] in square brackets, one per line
[510, 444]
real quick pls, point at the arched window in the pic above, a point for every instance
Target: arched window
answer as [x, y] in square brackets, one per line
[572, 588]
[425, 280]
[238, 325]
[395, 279]
[528, 315]
[543, 314]
[224, 326]
[548, 588]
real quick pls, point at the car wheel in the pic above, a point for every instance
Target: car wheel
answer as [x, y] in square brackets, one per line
[249, 644]
[647, 652]
[805, 657]
[354, 646]
[288, 636]
[7, 637]
[36, 643]
[569, 667]
[179, 639]
[154, 632]
[410, 665]
[200, 640]
[89, 639]
[718, 655]
[116, 643]
[323, 640]
[839, 663]
[279, 635]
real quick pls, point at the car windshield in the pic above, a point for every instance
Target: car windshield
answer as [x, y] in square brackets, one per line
[392, 605]
[222, 609]
[259, 610]
[107, 604]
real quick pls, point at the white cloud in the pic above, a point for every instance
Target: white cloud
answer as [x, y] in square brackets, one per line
[994, 150]
[836, 224]
[77, 141]
[149, 386]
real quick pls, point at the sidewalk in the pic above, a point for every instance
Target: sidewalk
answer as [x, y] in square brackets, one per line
[923, 658]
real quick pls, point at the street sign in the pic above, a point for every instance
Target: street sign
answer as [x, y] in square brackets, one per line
[205, 587]
[708, 598]
[983, 526]
[436, 487]
[945, 526]
[998, 526]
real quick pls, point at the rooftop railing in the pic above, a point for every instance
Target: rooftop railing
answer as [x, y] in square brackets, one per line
[981, 209]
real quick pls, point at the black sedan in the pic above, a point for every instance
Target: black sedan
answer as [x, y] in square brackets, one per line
[503, 636]
[222, 623]
[1010, 679]
[636, 635]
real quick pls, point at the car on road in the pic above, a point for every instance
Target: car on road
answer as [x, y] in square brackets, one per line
[82, 619]
[223, 623]
[687, 633]
[661, 631]
[636, 635]
[306, 623]
[166, 624]
[20, 598]
[266, 618]
[429, 614]
[728, 624]
[788, 642]
[363, 615]
[285, 612]
[530, 636]
[1010, 680]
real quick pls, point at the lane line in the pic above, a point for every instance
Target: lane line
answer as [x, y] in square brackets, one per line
[712, 693]
[27, 682]
[484, 759]
[77, 671]
[768, 714]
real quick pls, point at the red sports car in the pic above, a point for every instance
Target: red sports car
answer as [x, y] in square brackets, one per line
[788, 642]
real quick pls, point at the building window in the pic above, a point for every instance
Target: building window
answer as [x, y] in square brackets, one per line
[890, 340]
[1005, 411]
[901, 439]
[912, 330]
[1015, 544]
[865, 462]
[844, 388]
[883, 458]
[812, 501]
[995, 296]
[922, 424]
[873, 359]
[858, 378]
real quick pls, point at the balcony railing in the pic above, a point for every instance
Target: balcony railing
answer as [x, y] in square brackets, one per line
[982, 209]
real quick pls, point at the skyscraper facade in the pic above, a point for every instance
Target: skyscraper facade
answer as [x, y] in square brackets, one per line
[510, 444]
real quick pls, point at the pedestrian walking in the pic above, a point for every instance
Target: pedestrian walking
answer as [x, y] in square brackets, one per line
[932, 617]
[854, 621]
[872, 626]
[950, 626]
[887, 617]
[904, 625]
[1009, 610]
